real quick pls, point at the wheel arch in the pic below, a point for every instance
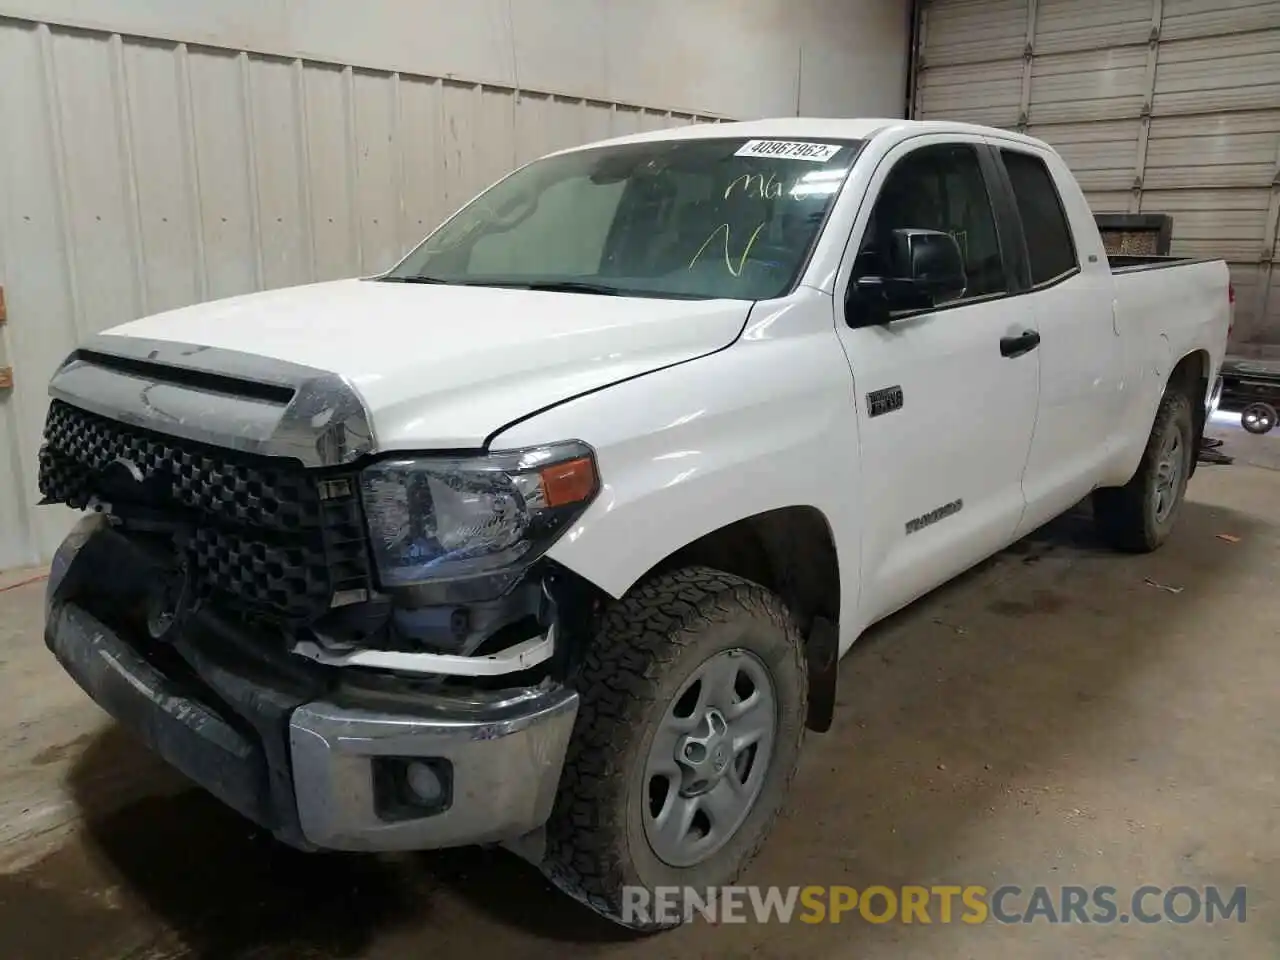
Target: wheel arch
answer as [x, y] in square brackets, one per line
[790, 551]
[1190, 376]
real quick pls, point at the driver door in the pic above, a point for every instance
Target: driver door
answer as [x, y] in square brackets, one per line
[945, 410]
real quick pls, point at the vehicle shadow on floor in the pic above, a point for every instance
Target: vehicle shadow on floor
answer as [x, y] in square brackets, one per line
[994, 673]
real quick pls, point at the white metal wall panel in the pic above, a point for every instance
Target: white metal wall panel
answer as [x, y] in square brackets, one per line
[1167, 106]
[1108, 201]
[1090, 86]
[158, 119]
[729, 57]
[140, 175]
[979, 93]
[1227, 72]
[1065, 26]
[1270, 310]
[1182, 19]
[1224, 150]
[1219, 67]
[975, 31]
[1100, 154]
[972, 50]
[1213, 223]
[274, 127]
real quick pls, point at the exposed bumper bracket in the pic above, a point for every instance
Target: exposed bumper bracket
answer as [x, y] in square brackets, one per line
[517, 657]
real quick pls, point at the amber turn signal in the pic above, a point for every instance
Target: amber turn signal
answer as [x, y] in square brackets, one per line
[570, 482]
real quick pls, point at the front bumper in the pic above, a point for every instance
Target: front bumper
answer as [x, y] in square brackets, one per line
[305, 752]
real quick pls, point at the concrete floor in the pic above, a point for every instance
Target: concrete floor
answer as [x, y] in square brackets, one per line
[1050, 718]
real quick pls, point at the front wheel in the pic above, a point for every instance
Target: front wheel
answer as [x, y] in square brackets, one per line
[693, 702]
[1139, 516]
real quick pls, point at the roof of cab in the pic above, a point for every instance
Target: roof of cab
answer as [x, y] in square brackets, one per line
[812, 127]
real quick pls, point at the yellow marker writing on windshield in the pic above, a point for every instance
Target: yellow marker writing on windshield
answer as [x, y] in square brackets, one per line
[728, 262]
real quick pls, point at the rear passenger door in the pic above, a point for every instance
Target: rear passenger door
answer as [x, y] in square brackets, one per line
[945, 410]
[1069, 298]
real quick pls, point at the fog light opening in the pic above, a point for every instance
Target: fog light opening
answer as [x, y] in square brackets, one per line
[408, 788]
[424, 783]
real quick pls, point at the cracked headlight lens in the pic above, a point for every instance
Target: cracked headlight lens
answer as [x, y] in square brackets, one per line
[436, 519]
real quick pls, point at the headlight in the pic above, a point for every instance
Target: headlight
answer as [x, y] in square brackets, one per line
[435, 519]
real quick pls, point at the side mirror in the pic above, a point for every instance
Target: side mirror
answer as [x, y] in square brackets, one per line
[923, 268]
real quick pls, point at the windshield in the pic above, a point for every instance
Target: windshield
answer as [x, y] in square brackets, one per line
[714, 218]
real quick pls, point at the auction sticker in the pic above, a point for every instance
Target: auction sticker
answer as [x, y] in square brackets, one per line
[789, 150]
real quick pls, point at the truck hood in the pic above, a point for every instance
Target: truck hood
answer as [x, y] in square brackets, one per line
[442, 367]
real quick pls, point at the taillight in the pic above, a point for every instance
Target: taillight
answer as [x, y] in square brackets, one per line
[1231, 302]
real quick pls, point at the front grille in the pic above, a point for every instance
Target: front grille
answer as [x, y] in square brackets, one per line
[262, 534]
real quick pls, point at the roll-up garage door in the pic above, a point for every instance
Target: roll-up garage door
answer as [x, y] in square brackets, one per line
[1158, 106]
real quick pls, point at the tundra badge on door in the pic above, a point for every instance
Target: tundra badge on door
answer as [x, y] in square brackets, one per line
[884, 401]
[933, 516]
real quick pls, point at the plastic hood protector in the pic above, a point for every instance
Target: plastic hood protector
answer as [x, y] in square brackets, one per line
[443, 367]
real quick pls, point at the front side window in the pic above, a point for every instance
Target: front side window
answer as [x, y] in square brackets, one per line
[701, 218]
[1044, 223]
[938, 188]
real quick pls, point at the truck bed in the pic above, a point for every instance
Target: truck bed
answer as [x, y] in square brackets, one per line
[1166, 305]
[1131, 263]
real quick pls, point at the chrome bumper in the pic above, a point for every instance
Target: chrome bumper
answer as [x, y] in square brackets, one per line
[319, 764]
[498, 766]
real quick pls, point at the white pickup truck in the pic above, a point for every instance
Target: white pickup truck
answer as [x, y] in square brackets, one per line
[553, 535]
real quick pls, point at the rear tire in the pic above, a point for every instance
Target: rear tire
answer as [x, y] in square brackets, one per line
[1139, 516]
[689, 665]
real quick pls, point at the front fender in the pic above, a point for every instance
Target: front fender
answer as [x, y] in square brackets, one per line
[685, 451]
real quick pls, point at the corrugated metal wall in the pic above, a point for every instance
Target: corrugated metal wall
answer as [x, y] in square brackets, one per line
[156, 154]
[1161, 106]
[138, 175]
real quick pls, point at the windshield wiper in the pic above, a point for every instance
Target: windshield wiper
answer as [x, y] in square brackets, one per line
[552, 286]
[576, 286]
[412, 278]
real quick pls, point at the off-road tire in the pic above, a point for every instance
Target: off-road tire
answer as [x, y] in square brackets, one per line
[1126, 516]
[649, 644]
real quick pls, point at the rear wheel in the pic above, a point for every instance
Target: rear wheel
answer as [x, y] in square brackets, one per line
[1139, 516]
[688, 734]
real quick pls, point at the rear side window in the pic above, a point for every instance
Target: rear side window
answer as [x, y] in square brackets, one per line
[1044, 222]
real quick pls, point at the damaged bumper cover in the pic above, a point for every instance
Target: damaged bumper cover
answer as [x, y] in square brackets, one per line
[322, 763]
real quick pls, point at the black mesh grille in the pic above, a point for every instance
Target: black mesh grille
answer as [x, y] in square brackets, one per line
[262, 534]
[255, 491]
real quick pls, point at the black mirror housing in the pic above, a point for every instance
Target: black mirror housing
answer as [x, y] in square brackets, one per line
[931, 260]
[924, 268]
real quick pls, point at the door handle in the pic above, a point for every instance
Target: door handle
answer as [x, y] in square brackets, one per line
[1018, 344]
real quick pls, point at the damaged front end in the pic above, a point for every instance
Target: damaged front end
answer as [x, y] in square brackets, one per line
[355, 653]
